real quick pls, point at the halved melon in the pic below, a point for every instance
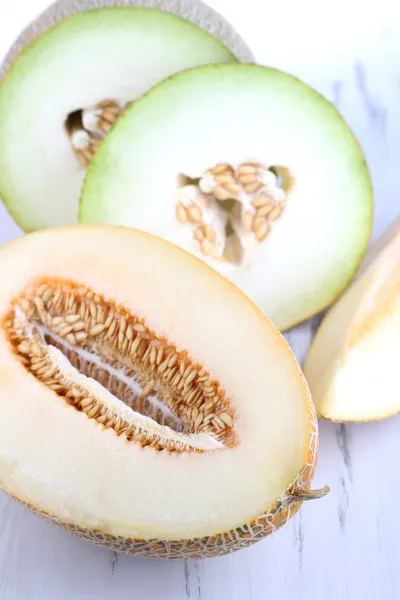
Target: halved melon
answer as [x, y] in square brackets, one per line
[146, 403]
[353, 363]
[77, 71]
[249, 169]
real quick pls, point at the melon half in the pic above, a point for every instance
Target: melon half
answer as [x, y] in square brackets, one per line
[353, 363]
[146, 405]
[249, 169]
[69, 76]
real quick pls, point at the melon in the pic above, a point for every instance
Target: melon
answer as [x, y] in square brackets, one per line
[352, 366]
[250, 170]
[68, 77]
[146, 405]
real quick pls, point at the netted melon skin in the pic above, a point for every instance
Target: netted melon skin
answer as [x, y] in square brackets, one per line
[205, 547]
[195, 11]
[208, 546]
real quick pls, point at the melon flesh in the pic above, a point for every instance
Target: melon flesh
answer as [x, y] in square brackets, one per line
[66, 465]
[110, 53]
[241, 114]
[352, 366]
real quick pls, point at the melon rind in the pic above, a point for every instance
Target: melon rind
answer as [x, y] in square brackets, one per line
[195, 11]
[211, 546]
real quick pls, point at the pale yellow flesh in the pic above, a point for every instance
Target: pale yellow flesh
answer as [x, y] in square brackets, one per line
[353, 364]
[56, 459]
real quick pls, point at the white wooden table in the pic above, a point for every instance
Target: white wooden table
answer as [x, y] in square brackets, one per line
[345, 546]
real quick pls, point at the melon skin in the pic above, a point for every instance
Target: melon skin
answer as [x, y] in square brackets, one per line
[210, 546]
[195, 11]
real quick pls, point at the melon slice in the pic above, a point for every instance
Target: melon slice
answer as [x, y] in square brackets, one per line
[146, 405]
[249, 169]
[76, 73]
[352, 366]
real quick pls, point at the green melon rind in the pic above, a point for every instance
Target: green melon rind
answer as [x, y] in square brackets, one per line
[196, 11]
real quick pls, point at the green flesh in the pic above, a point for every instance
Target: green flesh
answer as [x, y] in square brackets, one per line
[235, 114]
[116, 53]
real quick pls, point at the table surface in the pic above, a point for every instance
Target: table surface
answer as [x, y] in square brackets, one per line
[346, 545]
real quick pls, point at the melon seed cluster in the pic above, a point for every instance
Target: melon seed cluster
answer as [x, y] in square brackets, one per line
[254, 186]
[167, 386]
[259, 201]
[91, 126]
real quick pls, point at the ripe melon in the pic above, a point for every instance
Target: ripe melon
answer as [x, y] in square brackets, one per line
[70, 74]
[146, 404]
[352, 365]
[249, 169]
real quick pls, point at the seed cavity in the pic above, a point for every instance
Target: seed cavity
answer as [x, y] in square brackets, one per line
[230, 209]
[87, 127]
[108, 364]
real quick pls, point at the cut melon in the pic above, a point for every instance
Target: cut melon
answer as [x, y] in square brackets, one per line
[76, 73]
[352, 366]
[146, 405]
[249, 169]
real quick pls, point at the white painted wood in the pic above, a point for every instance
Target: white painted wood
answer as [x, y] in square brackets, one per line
[344, 547]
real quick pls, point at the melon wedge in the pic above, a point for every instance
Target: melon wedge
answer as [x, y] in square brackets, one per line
[249, 169]
[352, 366]
[77, 71]
[146, 405]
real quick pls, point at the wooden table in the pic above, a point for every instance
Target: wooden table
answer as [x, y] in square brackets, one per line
[346, 546]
